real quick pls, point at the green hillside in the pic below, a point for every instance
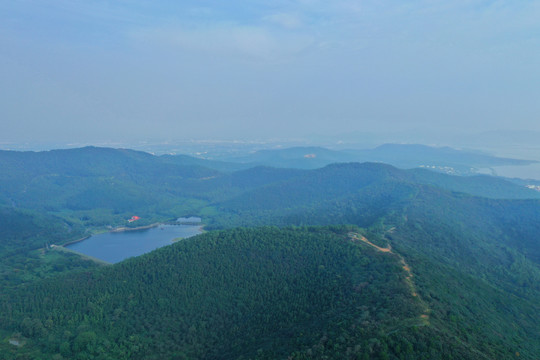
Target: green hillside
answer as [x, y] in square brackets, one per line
[350, 193]
[449, 267]
[101, 186]
[23, 240]
[476, 259]
[261, 293]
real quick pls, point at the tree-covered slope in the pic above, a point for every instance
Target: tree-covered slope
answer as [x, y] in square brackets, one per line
[244, 293]
[476, 259]
[23, 238]
[476, 264]
[478, 185]
[472, 262]
[94, 185]
[89, 182]
[350, 193]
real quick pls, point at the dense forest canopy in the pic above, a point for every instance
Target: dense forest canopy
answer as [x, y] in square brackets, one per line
[345, 261]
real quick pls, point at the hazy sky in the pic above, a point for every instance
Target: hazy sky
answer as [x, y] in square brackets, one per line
[134, 69]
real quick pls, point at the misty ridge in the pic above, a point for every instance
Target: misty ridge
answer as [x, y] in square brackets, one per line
[275, 180]
[305, 254]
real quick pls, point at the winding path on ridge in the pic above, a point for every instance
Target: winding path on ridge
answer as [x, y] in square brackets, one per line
[424, 317]
[425, 314]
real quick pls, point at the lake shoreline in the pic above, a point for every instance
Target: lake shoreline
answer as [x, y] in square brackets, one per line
[115, 230]
[84, 256]
[74, 241]
[144, 227]
[122, 242]
[151, 226]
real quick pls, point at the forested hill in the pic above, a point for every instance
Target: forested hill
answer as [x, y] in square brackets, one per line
[23, 239]
[241, 294]
[367, 190]
[476, 260]
[444, 267]
[101, 186]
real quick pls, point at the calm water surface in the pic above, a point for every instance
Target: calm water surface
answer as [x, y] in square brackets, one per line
[115, 247]
[517, 152]
[523, 172]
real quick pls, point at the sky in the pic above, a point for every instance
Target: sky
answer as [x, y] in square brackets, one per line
[97, 70]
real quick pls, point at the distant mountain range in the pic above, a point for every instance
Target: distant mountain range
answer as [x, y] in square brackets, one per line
[442, 159]
[349, 260]
[124, 181]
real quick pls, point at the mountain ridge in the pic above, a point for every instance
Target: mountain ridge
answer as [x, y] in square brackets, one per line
[473, 262]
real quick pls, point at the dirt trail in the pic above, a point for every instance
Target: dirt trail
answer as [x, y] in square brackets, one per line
[409, 278]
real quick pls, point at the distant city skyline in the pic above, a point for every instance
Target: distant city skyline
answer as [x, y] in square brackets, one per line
[103, 71]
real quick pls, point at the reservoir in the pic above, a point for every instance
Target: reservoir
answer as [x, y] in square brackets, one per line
[531, 171]
[523, 172]
[114, 247]
[526, 172]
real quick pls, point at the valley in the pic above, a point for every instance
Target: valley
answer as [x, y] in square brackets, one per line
[350, 260]
[269, 180]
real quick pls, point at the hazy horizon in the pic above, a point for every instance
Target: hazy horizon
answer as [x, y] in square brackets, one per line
[286, 179]
[79, 72]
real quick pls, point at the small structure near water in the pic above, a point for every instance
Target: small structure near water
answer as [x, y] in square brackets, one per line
[192, 220]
